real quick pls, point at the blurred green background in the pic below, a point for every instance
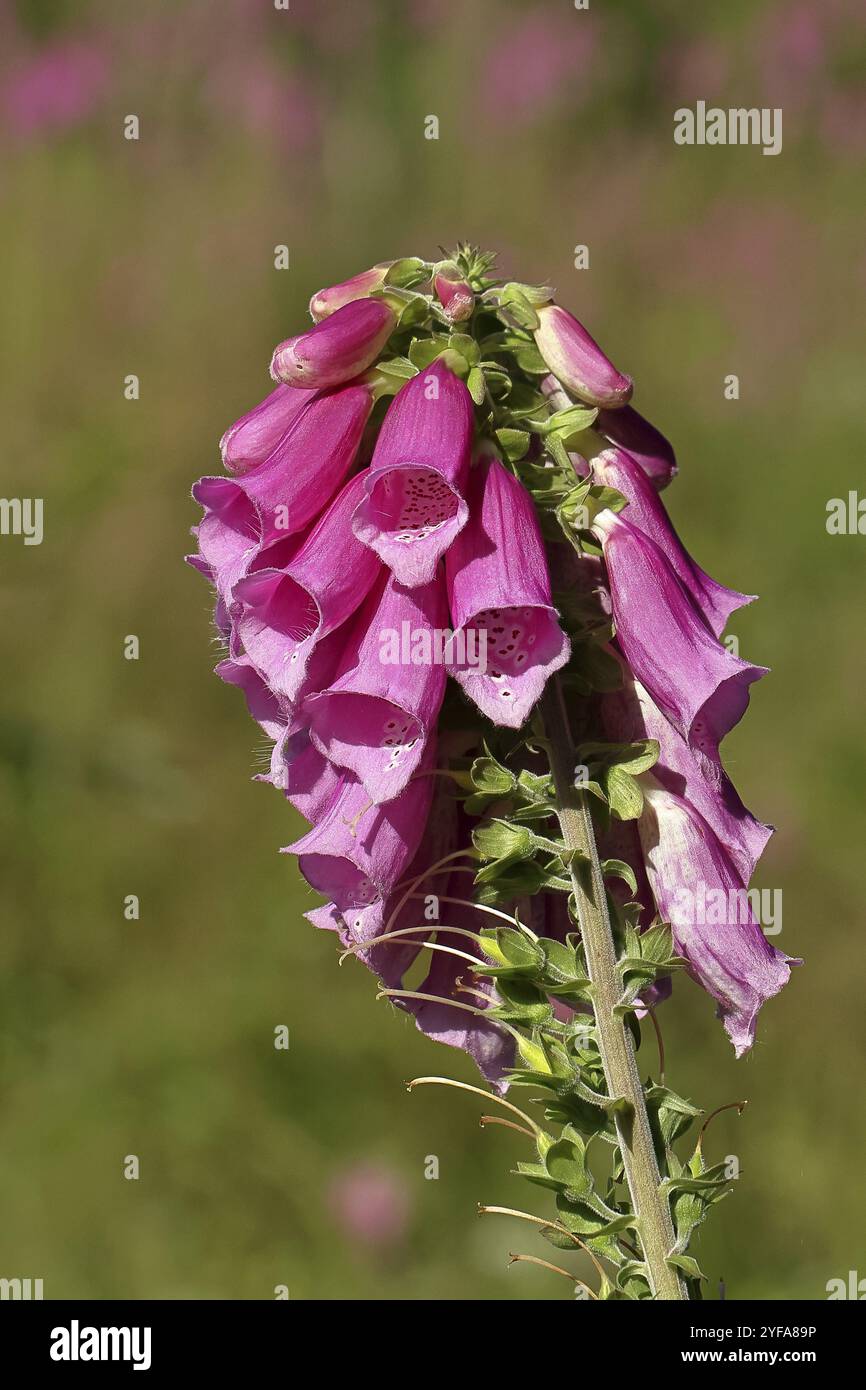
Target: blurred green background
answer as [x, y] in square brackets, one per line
[260, 127]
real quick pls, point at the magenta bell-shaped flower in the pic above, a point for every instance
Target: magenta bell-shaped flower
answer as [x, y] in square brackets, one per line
[414, 505]
[577, 360]
[499, 595]
[390, 960]
[628, 714]
[617, 469]
[697, 683]
[281, 496]
[285, 613]
[379, 713]
[356, 852]
[714, 928]
[337, 349]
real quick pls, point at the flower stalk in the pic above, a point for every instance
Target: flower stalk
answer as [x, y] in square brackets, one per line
[651, 1204]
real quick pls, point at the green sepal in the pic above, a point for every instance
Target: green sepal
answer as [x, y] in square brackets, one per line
[407, 272]
[670, 1116]
[423, 352]
[466, 346]
[618, 868]
[516, 951]
[530, 360]
[566, 1165]
[522, 1004]
[584, 1220]
[517, 881]
[574, 419]
[502, 844]
[491, 782]
[476, 385]
[513, 443]
[411, 309]
[389, 376]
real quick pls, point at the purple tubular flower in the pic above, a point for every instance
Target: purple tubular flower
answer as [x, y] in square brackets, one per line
[701, 687]
[379, 713]
[577, 360]
[326, 302]
[696, 775]
[499, 594]
[337, 349]
[285, 493]
[454, 294]
[414, 505]
[252, 438]
[285, 613]
[700, 893]
[643, 441]
[356, 852]
[619, 470]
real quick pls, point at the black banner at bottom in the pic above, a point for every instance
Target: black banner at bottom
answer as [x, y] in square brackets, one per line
[151, 1338]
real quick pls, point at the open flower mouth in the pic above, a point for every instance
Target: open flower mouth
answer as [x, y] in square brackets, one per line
[516, 649]
[341, 880]
[409, 518]
[411, 503]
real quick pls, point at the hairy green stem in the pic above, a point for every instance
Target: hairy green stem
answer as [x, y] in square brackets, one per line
[651, 1205]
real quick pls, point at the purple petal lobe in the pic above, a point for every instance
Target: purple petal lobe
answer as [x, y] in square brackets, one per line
[700, 893]
[414, 505]
[500, 600]
[308, 780]
[646, 510]
[697, 683]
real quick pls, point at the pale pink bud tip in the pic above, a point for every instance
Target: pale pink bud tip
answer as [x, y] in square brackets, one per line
[327, 301]
[454, 294]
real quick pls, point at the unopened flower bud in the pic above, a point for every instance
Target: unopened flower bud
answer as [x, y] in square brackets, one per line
[453, 292]
[338, 348]
[577, 360]
[327, 301]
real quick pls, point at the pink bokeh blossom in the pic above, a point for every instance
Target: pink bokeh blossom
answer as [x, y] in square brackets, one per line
[55, 89]
[371, 1204]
